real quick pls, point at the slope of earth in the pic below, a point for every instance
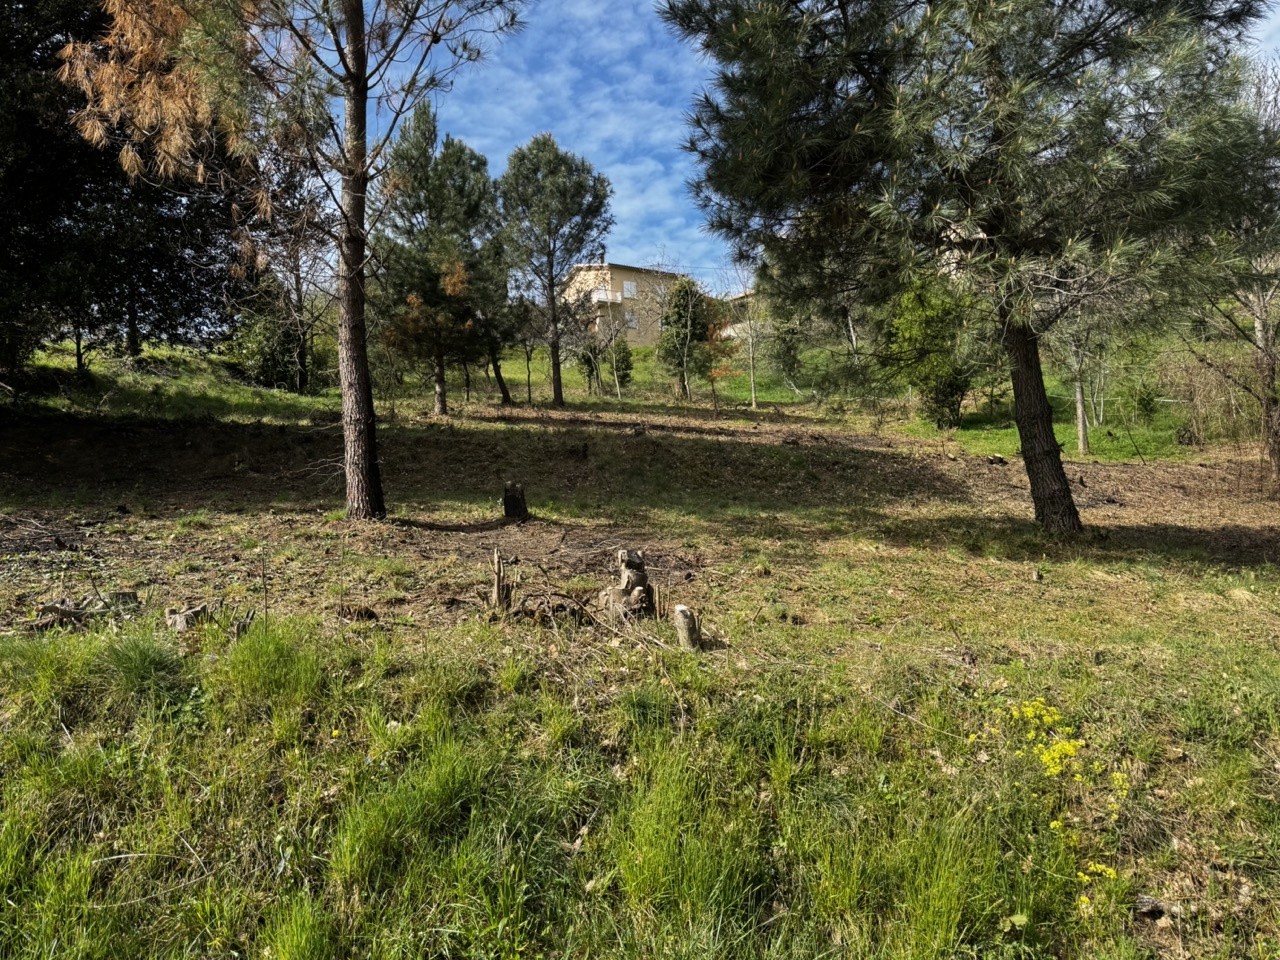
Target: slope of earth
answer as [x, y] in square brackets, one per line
[919, 728]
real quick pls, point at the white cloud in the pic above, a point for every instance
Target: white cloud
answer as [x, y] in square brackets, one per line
[611, 83]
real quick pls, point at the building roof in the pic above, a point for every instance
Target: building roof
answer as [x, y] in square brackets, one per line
[624, 266]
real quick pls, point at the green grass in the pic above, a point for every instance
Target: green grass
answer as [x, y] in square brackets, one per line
[901, 746]
[314, 794]
[174, 383]
[166, 383]
[1124, 437]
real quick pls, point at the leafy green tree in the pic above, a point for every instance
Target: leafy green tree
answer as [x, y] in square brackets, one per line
[1041, 154]
[178, 78]
[556, 210]
[442, 283]
[88, 253]
[926, 342]
[621, 363]
[683, 345]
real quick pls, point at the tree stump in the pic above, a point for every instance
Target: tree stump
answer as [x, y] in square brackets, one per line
[500, 594]
[514, 506]
[688, 630]
[633, 597]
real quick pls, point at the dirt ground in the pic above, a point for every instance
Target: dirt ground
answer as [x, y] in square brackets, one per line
[185, 512]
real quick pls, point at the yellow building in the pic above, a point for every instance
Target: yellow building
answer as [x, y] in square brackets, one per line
[627, 300]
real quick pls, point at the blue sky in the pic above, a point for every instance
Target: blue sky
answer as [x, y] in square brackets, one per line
[609, 80]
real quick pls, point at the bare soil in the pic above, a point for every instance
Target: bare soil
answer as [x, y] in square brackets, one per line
[190, 511]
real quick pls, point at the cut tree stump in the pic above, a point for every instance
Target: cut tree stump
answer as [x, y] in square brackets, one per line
[688, 629]
[633, 597]
[180, 621]
[514, 506]
[500, 593]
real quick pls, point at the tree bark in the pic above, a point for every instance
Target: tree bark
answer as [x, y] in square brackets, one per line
[442, 400]
[557, 385]
[528, 374]
[1269, 391]
[302, 379]
[1050, 491]
[301, 350]
[359, 422]
[688, 630]
[132, 332]
[1082, 419]
[497, 375]
[81, 369]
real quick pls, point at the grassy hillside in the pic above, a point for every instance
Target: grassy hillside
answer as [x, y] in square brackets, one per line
[920, 728]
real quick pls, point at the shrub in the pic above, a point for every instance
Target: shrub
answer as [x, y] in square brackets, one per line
[620, 362]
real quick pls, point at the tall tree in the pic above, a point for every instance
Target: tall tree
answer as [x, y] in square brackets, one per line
[556, 210]
[180, 76]
[443, 274]
[683, 346]
[1041, 153]
[1248, 311]
[87, 251]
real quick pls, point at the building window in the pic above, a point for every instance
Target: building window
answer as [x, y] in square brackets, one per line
[629, 288]
[632, 320]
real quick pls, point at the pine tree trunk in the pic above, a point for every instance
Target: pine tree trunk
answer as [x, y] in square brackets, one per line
[497, 375]
[557, 385]
[1268, 367]
[359, 423]
[528, 374]
[1050, 491]
[1082, 419]
[437, 370]
[302, 346]
[466, 382]
[751, 368]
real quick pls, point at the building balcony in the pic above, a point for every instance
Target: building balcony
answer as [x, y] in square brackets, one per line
[606, 296]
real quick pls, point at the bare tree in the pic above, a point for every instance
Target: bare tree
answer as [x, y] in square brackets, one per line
[1249, 313]
[747, 321]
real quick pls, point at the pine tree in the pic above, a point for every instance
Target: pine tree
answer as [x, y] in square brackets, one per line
[442, 282]
[683, 345]
[88, 253]
[556, 210]
[1039, 154]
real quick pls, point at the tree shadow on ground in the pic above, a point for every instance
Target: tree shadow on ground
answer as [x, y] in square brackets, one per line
[1231, 545]
[448, 477]
[646, 409]
[582, 470]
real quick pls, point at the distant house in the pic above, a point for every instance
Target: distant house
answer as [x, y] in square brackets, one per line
[736, 314]
[626, 299]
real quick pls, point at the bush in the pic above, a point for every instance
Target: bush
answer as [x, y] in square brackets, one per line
[942, 393]
[1205, 394]
[928, 333]
[265, 351]
[620, 362]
